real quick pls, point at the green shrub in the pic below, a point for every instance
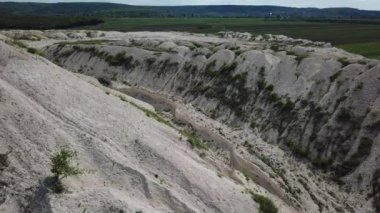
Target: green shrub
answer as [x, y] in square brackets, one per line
[266, 205]
[62, 168]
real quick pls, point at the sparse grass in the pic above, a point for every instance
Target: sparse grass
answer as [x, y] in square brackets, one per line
[322, 163]
[298, 57]
[194, 140]
[148, 112]
[19, 44]
[344, 62]
[266, 204]
[87, 42]
[297, 149]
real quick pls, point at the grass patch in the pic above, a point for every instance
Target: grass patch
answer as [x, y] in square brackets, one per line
[193, 139]
[266, 204]
[298, 57]
[344, 62]
[367, 49]
[32, 50]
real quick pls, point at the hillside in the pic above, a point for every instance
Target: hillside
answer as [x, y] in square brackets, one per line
[293, 119]
[131, 162]
[122, 10]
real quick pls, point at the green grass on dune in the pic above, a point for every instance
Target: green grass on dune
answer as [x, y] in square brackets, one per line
[350, 36]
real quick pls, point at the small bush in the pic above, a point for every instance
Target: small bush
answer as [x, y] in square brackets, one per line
[4, 163]
[266, 205]
[270, 87]
[32, 50]
[359, 86]
[275, 47]
[150, 61]
[105, 82]
[62, 168]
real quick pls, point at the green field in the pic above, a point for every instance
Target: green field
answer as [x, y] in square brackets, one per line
[370, 49]
[359, 38]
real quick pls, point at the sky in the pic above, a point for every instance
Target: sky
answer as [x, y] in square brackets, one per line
[361, 4]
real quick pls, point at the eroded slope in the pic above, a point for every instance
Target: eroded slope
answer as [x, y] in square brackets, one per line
[132, 163]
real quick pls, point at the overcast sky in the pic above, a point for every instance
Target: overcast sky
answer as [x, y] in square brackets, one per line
[362, 4]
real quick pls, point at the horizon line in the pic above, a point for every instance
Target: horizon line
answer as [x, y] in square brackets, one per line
[183, 5]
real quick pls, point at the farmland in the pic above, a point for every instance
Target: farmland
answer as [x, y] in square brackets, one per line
[355, 37]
